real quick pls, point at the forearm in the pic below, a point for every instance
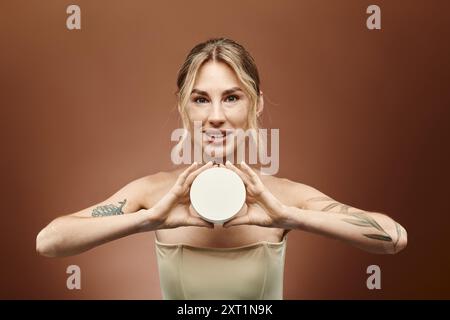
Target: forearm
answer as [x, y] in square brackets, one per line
[70, 235]
[370, 231]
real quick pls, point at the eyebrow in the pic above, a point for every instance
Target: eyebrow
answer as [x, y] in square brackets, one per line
[228, 91]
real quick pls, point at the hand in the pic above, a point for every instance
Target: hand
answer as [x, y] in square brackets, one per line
[174, 209]
[263, 208]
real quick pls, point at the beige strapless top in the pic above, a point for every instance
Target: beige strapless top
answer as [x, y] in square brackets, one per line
[254, 271]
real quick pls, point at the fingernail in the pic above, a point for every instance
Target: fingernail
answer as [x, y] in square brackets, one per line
[228, 162]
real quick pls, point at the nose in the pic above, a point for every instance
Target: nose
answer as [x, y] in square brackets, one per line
[216, 117]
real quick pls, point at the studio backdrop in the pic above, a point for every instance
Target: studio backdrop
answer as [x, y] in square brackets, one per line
[362, 115]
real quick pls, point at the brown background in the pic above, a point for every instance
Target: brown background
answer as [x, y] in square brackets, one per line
[363, 117]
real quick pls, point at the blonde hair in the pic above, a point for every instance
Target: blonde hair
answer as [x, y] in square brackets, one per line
[220, 50]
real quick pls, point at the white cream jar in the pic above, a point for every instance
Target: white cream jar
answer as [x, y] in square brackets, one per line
[217, 194]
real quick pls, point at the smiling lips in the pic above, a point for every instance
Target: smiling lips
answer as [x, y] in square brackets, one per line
[216, 136]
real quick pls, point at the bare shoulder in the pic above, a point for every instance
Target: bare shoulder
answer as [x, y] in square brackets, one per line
[154, 186]
[157, 180]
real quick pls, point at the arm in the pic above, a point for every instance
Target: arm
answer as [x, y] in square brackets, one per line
[311, 210]
[118, 216]
[121, 215]
[370, 231]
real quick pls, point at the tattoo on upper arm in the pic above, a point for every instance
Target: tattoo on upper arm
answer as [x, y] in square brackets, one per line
[360, 218]
[109, 210]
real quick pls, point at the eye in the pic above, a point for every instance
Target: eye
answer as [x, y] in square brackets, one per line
[234, 98]
[200, 100]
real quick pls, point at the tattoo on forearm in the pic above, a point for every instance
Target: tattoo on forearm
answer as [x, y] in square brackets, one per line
[343, 208]
[360, 219]
[399, 234]
[109, 210]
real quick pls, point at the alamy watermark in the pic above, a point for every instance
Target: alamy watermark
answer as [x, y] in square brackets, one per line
[234, 145]
[73, 21]
[74, 280]
[374, 280]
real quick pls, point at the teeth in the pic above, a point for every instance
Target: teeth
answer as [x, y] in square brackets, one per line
[215, 135]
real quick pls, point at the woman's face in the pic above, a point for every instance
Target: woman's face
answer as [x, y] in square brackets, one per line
[220, 104]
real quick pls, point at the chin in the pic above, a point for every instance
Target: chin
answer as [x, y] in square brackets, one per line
[219, 153]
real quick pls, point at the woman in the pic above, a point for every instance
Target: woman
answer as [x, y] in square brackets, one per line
[218, 85]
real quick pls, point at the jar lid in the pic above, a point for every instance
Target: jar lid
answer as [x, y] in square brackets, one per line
[217, 194]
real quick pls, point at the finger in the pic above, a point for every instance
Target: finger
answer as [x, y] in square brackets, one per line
[199, 222]
[183, 176]
[249, 170]
[241, 174]
[194, 174]
[237, 221]
[250, 199]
